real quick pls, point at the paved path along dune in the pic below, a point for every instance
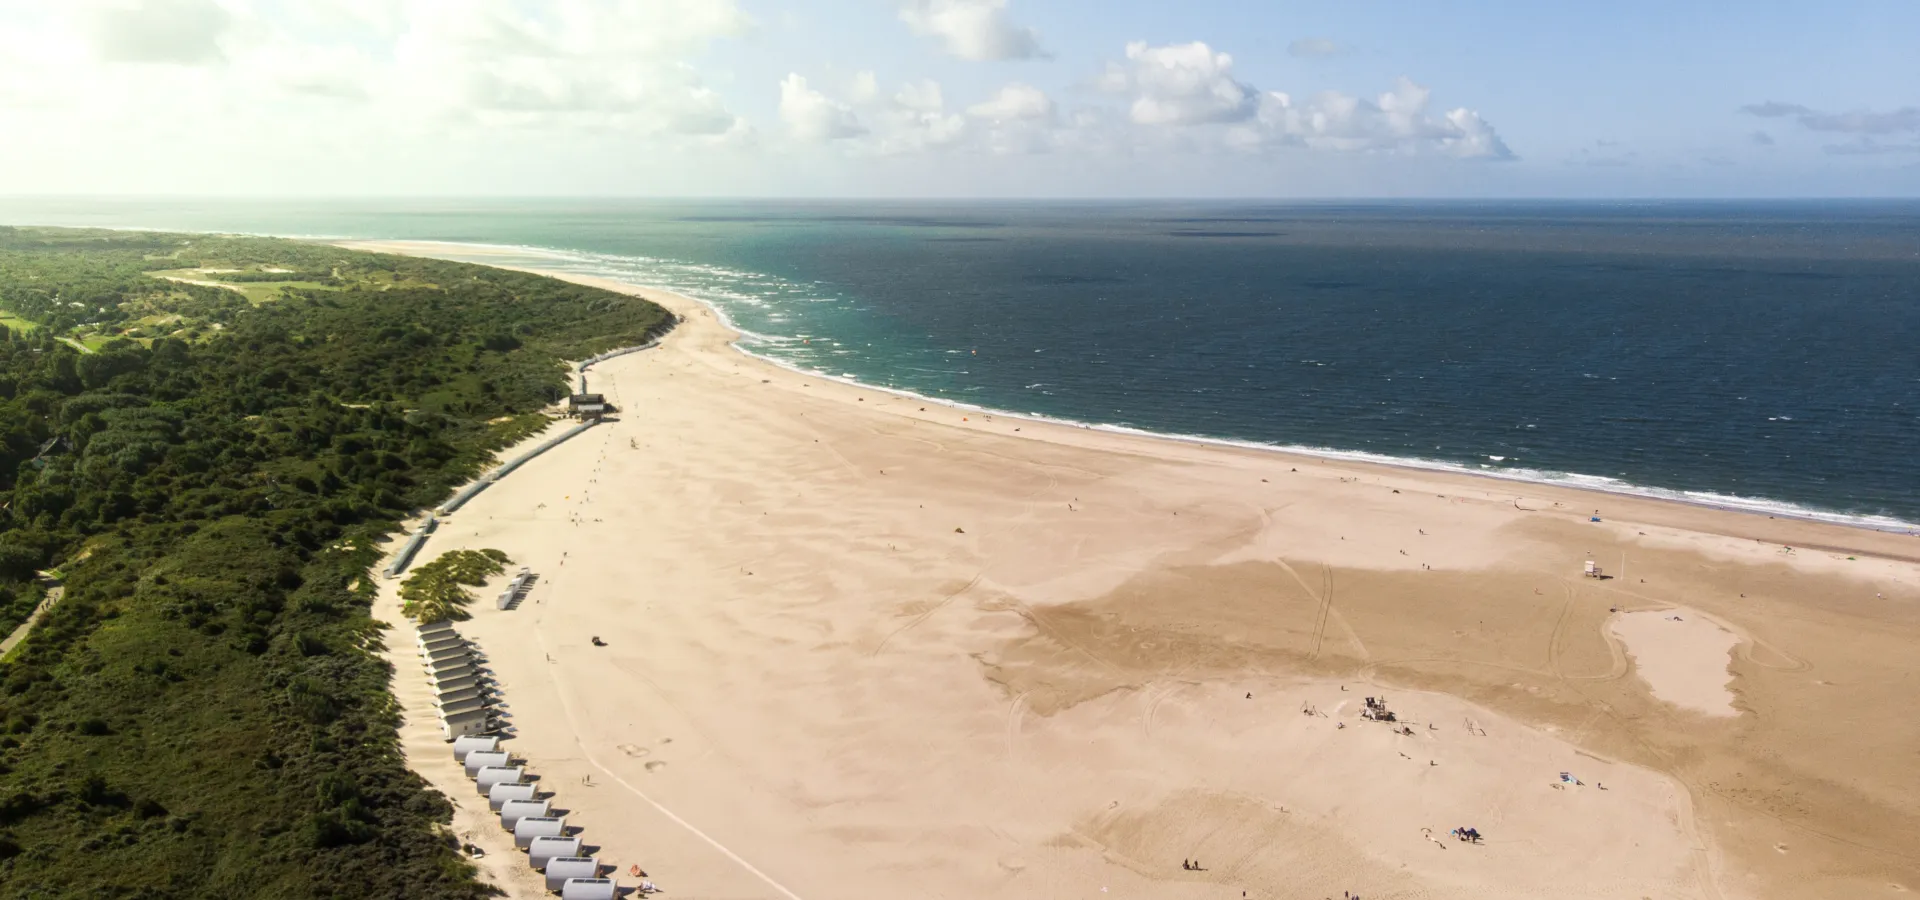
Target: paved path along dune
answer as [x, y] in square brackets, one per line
[859, 645]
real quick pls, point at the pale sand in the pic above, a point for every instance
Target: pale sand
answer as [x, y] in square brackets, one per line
[816, 687]
[1683, 657]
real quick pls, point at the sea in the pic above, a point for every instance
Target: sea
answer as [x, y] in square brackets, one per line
[1762, 356]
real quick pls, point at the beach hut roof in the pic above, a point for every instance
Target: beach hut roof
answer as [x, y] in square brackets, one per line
[449, 696]
[478, 715]
[499, 794]
[512, 811]
[589, 889]
[482, 759]
[531, 827]
[463, 706]
[486, 778]
[446, 651]
[541, 849]
[452, 668]
[467, 745]
[457, 682]
[561, 868]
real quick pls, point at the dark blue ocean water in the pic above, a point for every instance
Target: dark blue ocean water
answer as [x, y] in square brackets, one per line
[1764, 354]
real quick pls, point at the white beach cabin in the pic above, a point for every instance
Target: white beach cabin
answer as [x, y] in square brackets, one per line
[589, 889]
[512, 811]
[561, 868]
[531, 827]
[461, 726]
[486, 778]
[484, 758]
[546, 848]
[467, 745]
[511, 790]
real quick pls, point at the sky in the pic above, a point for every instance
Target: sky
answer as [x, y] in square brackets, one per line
[959, 98]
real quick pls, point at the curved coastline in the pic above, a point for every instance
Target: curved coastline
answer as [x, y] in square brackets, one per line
[722, 497]
[1596, 484]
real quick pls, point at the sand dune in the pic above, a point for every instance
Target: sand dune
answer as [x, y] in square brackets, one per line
[864, 646]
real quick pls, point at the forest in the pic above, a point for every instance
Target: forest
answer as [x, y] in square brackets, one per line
[205, 445]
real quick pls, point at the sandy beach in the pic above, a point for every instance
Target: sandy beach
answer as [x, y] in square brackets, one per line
[863, 646]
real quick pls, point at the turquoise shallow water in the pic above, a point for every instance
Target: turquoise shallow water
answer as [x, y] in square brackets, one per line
[1752, 355]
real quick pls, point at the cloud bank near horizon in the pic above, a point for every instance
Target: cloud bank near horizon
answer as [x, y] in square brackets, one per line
[462, 93]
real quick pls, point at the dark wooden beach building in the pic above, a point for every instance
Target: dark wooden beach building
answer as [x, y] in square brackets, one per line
[588, 406]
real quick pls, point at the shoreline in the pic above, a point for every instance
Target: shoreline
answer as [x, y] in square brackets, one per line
[868, 643]
[1754, 506]
[681, 304]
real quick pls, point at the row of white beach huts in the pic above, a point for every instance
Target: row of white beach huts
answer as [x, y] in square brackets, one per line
[550, 849]
[465, 694]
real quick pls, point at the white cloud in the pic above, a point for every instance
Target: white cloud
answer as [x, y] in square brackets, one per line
[289, 96]
[604, 64]
[1180, 84]
[813, 116]
[972, 29]
[1394, 122]
[179, 32]
[1014, 103]
[1183, 86]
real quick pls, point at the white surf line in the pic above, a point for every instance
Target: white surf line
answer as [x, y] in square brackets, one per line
[574, 724]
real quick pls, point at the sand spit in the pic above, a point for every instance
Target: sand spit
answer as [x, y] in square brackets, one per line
[860, 646]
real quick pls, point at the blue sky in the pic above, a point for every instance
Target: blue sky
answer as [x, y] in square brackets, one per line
[960, 98]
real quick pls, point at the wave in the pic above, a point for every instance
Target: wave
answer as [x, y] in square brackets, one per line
[626, 268]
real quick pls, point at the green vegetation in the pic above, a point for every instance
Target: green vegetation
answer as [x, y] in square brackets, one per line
[202, 714]
[438, 591]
